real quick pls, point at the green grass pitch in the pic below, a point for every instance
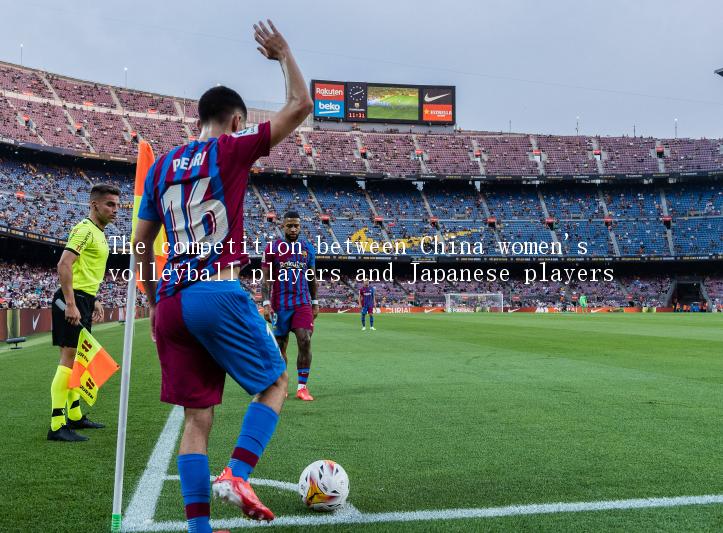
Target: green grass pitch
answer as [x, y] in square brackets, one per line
[401, 107]
[429, 412]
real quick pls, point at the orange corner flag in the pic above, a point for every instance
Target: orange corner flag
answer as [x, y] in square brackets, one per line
[92, 367]
[143, 164]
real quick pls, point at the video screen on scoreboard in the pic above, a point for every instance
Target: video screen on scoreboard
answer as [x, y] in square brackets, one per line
[375, 102]
[393, 103]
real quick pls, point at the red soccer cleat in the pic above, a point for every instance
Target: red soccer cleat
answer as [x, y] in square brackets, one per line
[303, 394]
[236, 491]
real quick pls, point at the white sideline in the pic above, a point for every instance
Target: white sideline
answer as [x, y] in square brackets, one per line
[140, 512]
[447, 514]
[142, 508]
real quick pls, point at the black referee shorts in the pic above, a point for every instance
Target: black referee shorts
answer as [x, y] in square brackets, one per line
[64, 333]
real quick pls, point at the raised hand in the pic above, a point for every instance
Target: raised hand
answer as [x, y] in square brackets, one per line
[272, 44]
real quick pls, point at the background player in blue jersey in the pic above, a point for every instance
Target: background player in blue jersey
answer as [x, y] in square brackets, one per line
[289, 293]
[367, 302]
[206, 329]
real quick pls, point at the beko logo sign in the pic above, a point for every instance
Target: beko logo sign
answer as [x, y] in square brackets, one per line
[329, 108]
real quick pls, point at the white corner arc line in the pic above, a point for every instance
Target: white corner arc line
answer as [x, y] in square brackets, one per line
[283, 485]
[141, 510]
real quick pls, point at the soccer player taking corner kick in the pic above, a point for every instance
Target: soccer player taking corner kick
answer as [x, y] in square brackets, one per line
[204, 323]
[289, 293]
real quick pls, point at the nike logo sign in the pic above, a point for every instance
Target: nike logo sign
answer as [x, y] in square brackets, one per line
[340, 311]
[429, 99]
[428, 311]
[35, 321]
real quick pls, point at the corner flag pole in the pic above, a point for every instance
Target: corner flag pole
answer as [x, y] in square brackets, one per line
[120, 449]
[143, 164]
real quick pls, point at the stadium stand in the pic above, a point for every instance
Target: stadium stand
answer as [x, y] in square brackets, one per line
[567, 155]
[25, 285]
[23, 81]
[162, 134]
[13, 126]
[507, 155]
[106, 132]
[454, 200]
[391, 154]
[675, 218]
[449, 154]
[336, 151]
[146, 103]
[287, 154]
[49, 122]
[397, 200]
[628, 155]
[78, 92]
[686, 155]
[48, 192]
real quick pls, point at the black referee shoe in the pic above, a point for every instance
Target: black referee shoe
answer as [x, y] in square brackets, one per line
[65, 434]
[84, 423]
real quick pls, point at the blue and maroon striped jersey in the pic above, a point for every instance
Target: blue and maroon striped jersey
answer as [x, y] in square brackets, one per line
[197, 190]
[367, 293]
[288, 263]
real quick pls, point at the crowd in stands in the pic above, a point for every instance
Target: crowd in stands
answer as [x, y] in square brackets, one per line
[58, 111]
[26, 286]
[611, 220]
[29, 286]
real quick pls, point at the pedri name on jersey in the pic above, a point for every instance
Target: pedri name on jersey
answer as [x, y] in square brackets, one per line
[184, 163]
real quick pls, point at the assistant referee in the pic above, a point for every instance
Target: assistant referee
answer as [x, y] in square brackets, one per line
[81, 270]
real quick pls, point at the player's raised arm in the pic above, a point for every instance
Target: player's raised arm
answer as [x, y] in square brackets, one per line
[273, 46]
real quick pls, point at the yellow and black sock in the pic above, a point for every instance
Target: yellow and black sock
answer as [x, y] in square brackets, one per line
[74, 412]
[59, 396]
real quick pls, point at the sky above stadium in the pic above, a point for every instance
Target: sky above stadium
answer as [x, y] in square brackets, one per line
[529, 65]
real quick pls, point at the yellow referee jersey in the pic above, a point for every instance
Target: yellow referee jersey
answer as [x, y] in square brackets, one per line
[87, 241]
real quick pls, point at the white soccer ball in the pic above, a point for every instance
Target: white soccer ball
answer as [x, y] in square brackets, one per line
[324, 486]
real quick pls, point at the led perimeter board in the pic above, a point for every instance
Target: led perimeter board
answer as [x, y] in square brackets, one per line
[354, 101]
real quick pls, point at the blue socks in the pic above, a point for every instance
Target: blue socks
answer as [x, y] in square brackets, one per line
[364, 321]
[258, 426]
[371, 321]
[196, 491]
[303, 375]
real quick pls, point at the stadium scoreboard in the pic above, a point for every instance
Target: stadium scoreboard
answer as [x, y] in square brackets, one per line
[353, 101]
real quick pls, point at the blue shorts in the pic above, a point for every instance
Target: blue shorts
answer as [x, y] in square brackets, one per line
[367, 310]
[207, 330]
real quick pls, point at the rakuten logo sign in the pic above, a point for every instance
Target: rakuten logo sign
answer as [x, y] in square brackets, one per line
[328, 91]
